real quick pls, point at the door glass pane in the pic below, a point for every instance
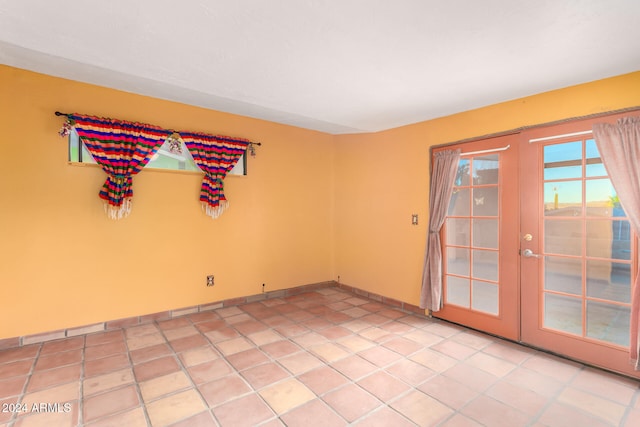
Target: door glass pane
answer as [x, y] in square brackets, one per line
[609, 280]
[458, 231]
[563, 275]
[485, 297]
[608, 322]
[563, 237]
[563, 161]
[602, 199]
[485, 265]
[458, 261]
[594, 162]
[485, 201]
[563, 313]
[457, 291]
[485, 169]
[563, 198]
[485, 233]
[462, 175]
[609, 239]
[459, 204]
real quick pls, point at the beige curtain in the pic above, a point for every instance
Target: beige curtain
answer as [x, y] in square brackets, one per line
[619, 147]
[445, 166]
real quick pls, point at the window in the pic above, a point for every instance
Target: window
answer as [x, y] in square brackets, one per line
[163, 159]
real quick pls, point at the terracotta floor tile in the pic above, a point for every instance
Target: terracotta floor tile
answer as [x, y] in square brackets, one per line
[310, 339]
[186, 343]
[323, 379]
[376, 334]
[211, 325]
[421, 409]
[355, 343]
[160, 386]
[410, 372]
[110, 402]
[433, 360]
[448, 391]
[552, 366]
[233, 346]
[375, 319]
[239, 318]
[19, 353]
[610, 386]
[488, 411]
[209, 371]
[99, 351]
[403, 346]
[513, 353]
[133, 418]
[459, 420]
[228, 312]
[65, 344]
[351, 402]
[138, 331]
[280, 349]
[15, 369]
[264, 337]
[176, 323]
[185, 331]
[224, 389]
[397, 328]
[264, 375]
[380, 356]
[443, 329]
[291, 330]
[300, 362]
[518, 398]
[384, 386]
[106, 364]
[155, 368]
[175, 407]
[560, 415]
[453, 349]
[47, 419]
[196, 356]
[101, 338]
[204, 316]
[286, 395]
[52, 377]
[335, 332]
[106, 382]
[354, 367]
[384, 417]
[143, 341]
[150, 353]
[329, 352]
[222, 334]
[490, 364]
[249, 327]
[472, 377]
[69, 392]
[203, 419]
[247, 411]
[599, 407]
[12, 386]
[318, 324]
[541, 384]
[633, 418]
[315, 413]
[423, 338]
[473, 339]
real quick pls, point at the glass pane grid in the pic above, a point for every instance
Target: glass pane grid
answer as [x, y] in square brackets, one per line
[587, 246]
[472, 236]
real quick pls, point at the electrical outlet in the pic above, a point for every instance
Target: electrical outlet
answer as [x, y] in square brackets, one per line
[210, 280]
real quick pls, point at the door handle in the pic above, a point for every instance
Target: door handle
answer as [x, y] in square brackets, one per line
[528, 253]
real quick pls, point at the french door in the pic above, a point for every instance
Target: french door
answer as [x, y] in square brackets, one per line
[578, 253]
[537, 248]
[480, 239]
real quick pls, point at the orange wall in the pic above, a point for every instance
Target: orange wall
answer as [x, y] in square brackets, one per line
[63, 263]
[382, 178]
[313, 207]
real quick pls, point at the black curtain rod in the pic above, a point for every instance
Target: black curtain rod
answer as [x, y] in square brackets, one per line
[58, 113]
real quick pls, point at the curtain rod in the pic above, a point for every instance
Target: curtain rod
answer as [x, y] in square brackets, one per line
[58, 113]
[493, 150]
[547, 138]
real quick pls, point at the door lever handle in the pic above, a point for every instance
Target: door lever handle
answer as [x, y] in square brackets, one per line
[528, 253]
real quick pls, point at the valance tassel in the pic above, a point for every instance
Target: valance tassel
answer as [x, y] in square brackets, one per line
[215, 211]
[118, 212]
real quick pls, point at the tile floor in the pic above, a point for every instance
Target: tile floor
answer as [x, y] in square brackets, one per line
[322, 358]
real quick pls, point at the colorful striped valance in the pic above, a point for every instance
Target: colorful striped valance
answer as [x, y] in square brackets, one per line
[123, 148]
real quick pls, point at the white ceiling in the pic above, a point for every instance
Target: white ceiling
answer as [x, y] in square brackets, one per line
[338, 66]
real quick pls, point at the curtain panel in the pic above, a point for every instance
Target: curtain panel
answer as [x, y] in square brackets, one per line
[619, 147]
[121, 149]
[443, 176]
[215, 156]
